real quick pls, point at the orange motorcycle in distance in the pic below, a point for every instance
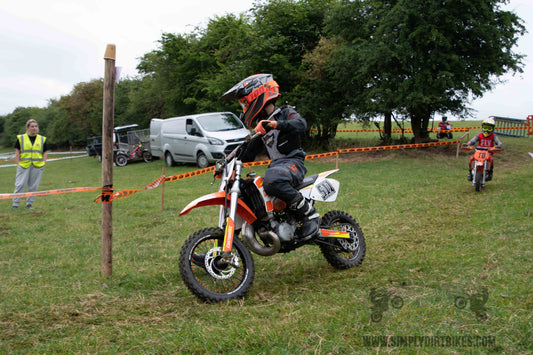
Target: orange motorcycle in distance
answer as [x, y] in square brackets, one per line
[480, 164]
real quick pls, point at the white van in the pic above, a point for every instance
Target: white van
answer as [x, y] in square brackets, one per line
[201, 139]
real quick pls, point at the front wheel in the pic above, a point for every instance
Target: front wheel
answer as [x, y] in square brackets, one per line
[201, 160]
[344, 253]
[121, 159]
[211, 275]
[478, 180]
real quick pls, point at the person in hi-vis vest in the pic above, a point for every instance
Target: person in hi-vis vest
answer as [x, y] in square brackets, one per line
[30, 155]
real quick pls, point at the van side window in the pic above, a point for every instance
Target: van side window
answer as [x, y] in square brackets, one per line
[192, 128]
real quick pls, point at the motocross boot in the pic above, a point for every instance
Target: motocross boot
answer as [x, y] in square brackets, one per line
[469, 177]
[489, 175]
[307, 214]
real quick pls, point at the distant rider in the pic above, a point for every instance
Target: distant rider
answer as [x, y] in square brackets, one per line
[486, 139]
[281, 130]
[445, 128]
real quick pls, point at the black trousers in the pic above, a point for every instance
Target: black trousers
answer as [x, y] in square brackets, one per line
[281, 177]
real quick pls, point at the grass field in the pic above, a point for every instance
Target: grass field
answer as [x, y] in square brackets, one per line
[432, 241]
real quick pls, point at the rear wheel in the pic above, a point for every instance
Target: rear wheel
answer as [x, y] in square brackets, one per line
[147, 156]
[208, 273]
[344, 253]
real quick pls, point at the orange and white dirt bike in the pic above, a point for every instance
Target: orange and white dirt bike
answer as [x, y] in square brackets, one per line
[480, 165]
[217, 265]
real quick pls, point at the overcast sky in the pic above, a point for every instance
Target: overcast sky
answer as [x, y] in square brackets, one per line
[48, 46]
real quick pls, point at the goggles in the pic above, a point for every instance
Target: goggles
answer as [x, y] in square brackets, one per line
[487, 128]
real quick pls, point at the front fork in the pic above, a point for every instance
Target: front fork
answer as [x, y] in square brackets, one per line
[475, 171]
[229, 221]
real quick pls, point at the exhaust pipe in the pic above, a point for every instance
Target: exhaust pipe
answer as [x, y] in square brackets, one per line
[249, 235]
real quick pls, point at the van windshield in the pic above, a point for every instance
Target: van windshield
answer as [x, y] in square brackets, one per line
[220, 122]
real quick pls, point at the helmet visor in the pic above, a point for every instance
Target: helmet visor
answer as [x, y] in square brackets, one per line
[252, 110]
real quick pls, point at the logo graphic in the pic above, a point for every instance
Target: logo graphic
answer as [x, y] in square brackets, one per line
[380, 303]
[477, 303]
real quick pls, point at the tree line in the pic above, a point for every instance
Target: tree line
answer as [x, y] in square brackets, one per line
[333, 59]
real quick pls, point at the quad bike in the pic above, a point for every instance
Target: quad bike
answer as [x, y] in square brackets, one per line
[216, 265]
[139, 152]
[480, 164]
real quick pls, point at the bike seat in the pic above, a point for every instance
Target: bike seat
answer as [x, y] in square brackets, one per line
[308, 180]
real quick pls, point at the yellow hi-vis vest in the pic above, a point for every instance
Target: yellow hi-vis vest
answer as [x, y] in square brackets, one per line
[31, 154]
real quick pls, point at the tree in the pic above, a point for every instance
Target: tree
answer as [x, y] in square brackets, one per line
[284, 32]
[15, 123]
[421, 57]
[323, 102]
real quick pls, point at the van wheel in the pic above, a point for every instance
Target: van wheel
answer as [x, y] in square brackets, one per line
[201, 160]
[169, 160]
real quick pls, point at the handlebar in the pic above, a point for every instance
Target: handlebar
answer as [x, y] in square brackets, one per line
[465, 146]
[247, 140]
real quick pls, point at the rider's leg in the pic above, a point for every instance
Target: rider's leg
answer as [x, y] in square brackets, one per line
[307, 213]
[279, 180]
[491, 170]
[469, 177]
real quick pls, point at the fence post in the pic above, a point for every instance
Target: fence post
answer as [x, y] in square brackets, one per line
[107, 160]
[459, 143]
[163, 190]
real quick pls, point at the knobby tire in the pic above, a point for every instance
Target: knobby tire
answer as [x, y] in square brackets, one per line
[214, 280]
[346, 253]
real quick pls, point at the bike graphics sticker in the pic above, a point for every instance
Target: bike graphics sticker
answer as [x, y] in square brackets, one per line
[325, 189]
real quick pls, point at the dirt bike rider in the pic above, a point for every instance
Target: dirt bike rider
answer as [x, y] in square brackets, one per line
[445, 128]
[281, 130]
[485, 139]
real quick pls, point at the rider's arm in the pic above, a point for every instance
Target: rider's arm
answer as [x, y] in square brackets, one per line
[293, 123]
[251, 150]
[497, 142]
[473, 141]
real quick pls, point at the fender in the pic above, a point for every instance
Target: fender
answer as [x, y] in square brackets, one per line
[218, 198]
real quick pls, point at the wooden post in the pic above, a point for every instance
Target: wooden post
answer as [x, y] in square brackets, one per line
[163, 190]
[459, 143]
[107, 160]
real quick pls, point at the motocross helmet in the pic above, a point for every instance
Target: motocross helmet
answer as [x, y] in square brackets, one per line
[253, 93]
[487, 126]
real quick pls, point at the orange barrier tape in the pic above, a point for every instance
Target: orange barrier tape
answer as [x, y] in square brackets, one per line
[401, 146]
[109, 196]
[49, 192]
[189, 174]
[409, 130]
[107, 193]
[322, 155]
[257, 163]
[406, 130]
[152, 185]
